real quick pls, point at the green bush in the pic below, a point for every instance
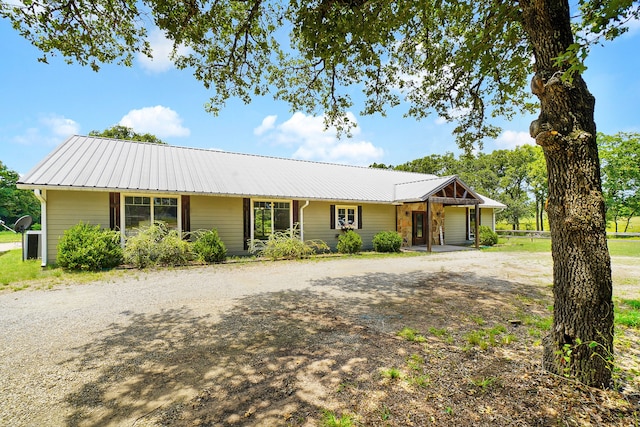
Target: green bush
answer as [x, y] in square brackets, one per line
[89, 248]
[349, 242]
[488, 237]
[387, 241]
[287, 245]
[156, 245]
[173, 250]
[208, 246]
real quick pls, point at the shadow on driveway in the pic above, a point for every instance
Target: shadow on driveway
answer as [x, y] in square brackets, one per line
[282, 358]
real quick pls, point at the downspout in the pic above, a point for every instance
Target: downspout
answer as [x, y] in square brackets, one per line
[44, 249]
[302, 220]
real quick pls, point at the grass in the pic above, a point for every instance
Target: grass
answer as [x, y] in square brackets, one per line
[411, 334]
[330, 419]
[13, 270]
[17, 275]
[485, 338]
[634, 225]
[617, 247]
[485, 383]
[9, 237]
[627, 312]
[391, 373]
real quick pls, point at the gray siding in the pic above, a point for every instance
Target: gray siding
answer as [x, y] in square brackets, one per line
[67, 208]
[223, 214]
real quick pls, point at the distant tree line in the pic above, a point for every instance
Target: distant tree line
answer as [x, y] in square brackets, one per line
[15, 203]
[518, 177]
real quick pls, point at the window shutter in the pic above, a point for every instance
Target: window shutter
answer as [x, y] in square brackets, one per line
[332, 216]
[186, 214]
[295, 205]
[246, 215]
[359, 217]
[114, 211]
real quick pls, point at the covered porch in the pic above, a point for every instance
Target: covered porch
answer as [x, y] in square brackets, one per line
[421, 223]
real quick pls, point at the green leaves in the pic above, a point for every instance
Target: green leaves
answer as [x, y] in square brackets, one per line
[466, 61]
[620, 170]
[126, 133]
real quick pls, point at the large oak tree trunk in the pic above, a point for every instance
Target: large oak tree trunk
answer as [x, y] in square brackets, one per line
[580, 343]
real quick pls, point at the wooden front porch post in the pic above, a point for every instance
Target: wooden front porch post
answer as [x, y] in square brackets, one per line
[429, 233]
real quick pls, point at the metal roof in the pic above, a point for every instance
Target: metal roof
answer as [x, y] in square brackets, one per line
[92, 163]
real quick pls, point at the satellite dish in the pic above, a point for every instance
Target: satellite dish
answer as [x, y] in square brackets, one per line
[23, 223]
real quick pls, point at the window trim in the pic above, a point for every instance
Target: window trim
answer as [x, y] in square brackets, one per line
[252, 214]
[356, 223]
[123, 219]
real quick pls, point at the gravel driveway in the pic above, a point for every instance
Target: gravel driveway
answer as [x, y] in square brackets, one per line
[73, 356]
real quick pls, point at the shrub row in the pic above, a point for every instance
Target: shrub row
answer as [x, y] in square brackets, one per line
[89, 248]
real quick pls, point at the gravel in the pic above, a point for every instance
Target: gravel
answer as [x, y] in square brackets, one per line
[58, 346]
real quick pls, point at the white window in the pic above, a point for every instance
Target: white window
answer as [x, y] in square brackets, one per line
[269, 217]
[142, 211]
[346, 216]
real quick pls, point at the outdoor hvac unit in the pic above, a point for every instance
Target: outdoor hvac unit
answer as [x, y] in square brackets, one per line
[32, 243]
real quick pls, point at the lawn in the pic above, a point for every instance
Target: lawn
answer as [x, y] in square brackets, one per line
[617, 247]
[7, 236]
[16, 274]
[530, 224]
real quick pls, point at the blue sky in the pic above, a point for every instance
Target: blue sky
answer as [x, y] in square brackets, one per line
[42, 104]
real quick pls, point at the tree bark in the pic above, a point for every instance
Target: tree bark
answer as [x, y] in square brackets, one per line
[580, 343]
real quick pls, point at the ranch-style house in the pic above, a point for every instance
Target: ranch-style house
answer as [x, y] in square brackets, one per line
[125, 185]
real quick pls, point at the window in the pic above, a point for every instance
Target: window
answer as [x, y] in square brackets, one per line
[165, 209]
[269, 217]
[142, 211]
[346, 217]
[471, 223]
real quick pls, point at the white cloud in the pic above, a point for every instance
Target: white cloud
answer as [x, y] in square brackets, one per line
[161, 48]
[160, 121]
[314, 142]
[511, 139]
[60, 126]
[267, 124]
[51, 129]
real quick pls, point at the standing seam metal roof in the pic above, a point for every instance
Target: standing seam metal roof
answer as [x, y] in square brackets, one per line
[83, 162]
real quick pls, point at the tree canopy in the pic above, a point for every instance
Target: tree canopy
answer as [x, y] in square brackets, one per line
[466, 60]
[126, 133]
[15, 203]
[620, 154]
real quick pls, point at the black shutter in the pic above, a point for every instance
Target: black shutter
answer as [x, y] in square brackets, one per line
[359, 217]
[114, 211]
[186, 215]
[332, 216]
[295, 205]
[246, 215]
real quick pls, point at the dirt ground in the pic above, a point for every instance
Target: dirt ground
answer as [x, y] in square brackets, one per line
[317, 341]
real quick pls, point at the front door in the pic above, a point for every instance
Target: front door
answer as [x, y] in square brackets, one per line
[419, 227]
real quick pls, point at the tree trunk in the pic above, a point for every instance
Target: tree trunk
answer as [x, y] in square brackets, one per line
[580, 343]
[537, 215]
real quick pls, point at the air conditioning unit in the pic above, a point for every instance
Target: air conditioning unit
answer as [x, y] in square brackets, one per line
[32, 244]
